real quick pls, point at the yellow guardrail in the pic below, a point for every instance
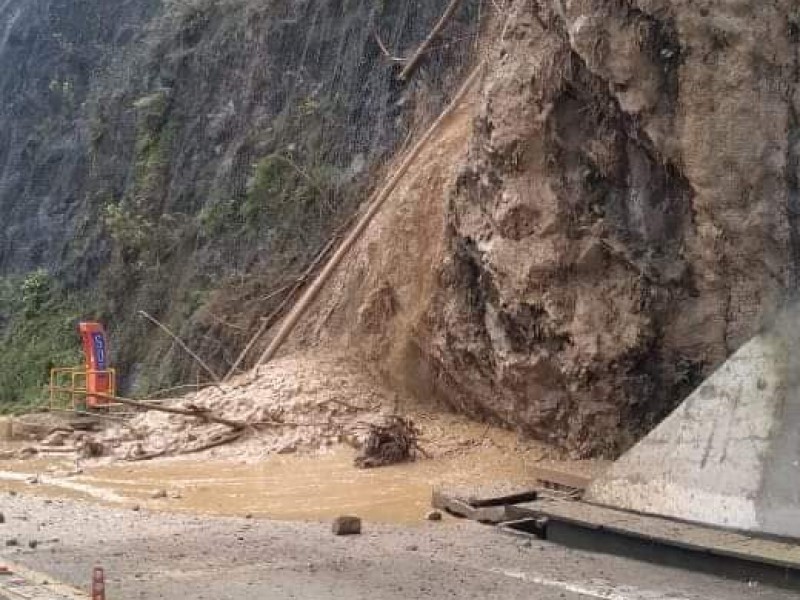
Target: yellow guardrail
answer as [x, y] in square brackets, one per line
[68, 386]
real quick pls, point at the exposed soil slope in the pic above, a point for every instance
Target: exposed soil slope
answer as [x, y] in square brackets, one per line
[610, 214]
[624, 218]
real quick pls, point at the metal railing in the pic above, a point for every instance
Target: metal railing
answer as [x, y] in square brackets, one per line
[69, 387]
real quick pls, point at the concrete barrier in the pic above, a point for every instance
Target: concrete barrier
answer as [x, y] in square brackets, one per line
[729, 455]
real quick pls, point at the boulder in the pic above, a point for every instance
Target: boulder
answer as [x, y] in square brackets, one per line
[347, 525]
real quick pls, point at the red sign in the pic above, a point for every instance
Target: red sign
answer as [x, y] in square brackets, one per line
[95, 351]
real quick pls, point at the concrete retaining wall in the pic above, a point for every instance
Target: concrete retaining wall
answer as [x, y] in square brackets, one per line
[728, 456]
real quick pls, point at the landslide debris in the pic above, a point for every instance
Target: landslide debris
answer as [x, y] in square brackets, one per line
[294, 404]
[394, 440]
[616, 214]
[611, 214]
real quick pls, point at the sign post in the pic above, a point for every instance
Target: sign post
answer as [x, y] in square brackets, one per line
[95, 350]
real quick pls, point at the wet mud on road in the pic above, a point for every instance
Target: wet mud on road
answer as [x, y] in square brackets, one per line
[154, 555]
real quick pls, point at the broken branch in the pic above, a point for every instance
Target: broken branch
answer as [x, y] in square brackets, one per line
[413, 62]
[197, 413]
[385, 50]
[232, 437]
[180, 342]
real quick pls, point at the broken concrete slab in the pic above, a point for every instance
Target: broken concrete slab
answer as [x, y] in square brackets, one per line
[443, 500]
[735, 555]
[482, 503]
[561, 481]
[494, 494]
[729, 455]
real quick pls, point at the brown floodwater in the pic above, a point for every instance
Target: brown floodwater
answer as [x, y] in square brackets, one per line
[288, 487]
[309, 487]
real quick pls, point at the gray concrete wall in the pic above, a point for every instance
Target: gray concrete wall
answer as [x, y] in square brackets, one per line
[728, 456]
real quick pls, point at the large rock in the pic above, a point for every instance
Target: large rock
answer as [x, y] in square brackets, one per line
[346, 525]
[625, 218]
[625, 215]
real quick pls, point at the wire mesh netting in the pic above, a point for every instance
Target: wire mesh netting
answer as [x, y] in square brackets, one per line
[192, 157]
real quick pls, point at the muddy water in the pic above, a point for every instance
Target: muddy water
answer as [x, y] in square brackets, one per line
[290, 487]
[308, 487]
[238, 480]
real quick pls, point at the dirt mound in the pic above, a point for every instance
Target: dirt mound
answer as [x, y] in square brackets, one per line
[302, 402]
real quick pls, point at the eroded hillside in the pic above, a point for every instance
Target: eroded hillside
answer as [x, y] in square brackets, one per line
[624, 217]
[190, 158]
[610, 212]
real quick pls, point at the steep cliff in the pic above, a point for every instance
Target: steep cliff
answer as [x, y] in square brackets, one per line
[611, 212]
[624, 217]
[190, 157]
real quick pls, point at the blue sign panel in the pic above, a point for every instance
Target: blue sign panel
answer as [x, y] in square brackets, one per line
[99, 350]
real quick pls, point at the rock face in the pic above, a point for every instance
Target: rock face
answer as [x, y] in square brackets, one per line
[626, 216]
[617, 218]
[152, 149]
[51, 55]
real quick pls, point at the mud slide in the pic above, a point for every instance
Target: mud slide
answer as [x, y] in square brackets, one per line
[374, 305]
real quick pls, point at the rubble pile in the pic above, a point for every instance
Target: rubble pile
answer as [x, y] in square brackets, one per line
[392, 441]
[296, 403]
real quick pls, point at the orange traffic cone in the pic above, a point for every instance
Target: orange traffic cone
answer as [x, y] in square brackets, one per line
[98, 584]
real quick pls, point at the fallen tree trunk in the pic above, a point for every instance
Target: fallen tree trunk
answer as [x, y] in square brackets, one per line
[268, 321]
[197, 413]
[413, 62]
[377, 202]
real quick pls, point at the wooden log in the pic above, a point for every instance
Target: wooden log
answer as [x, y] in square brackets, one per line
[413, 62]
[268, 321]
[198, 414]
[377, 202]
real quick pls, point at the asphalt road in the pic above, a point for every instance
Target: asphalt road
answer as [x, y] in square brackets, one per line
[155, 555]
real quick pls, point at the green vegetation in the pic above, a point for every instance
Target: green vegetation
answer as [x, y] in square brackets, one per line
[37, 332]
[129, 230]
[216, 218]
[153, 144]
[286, 197]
